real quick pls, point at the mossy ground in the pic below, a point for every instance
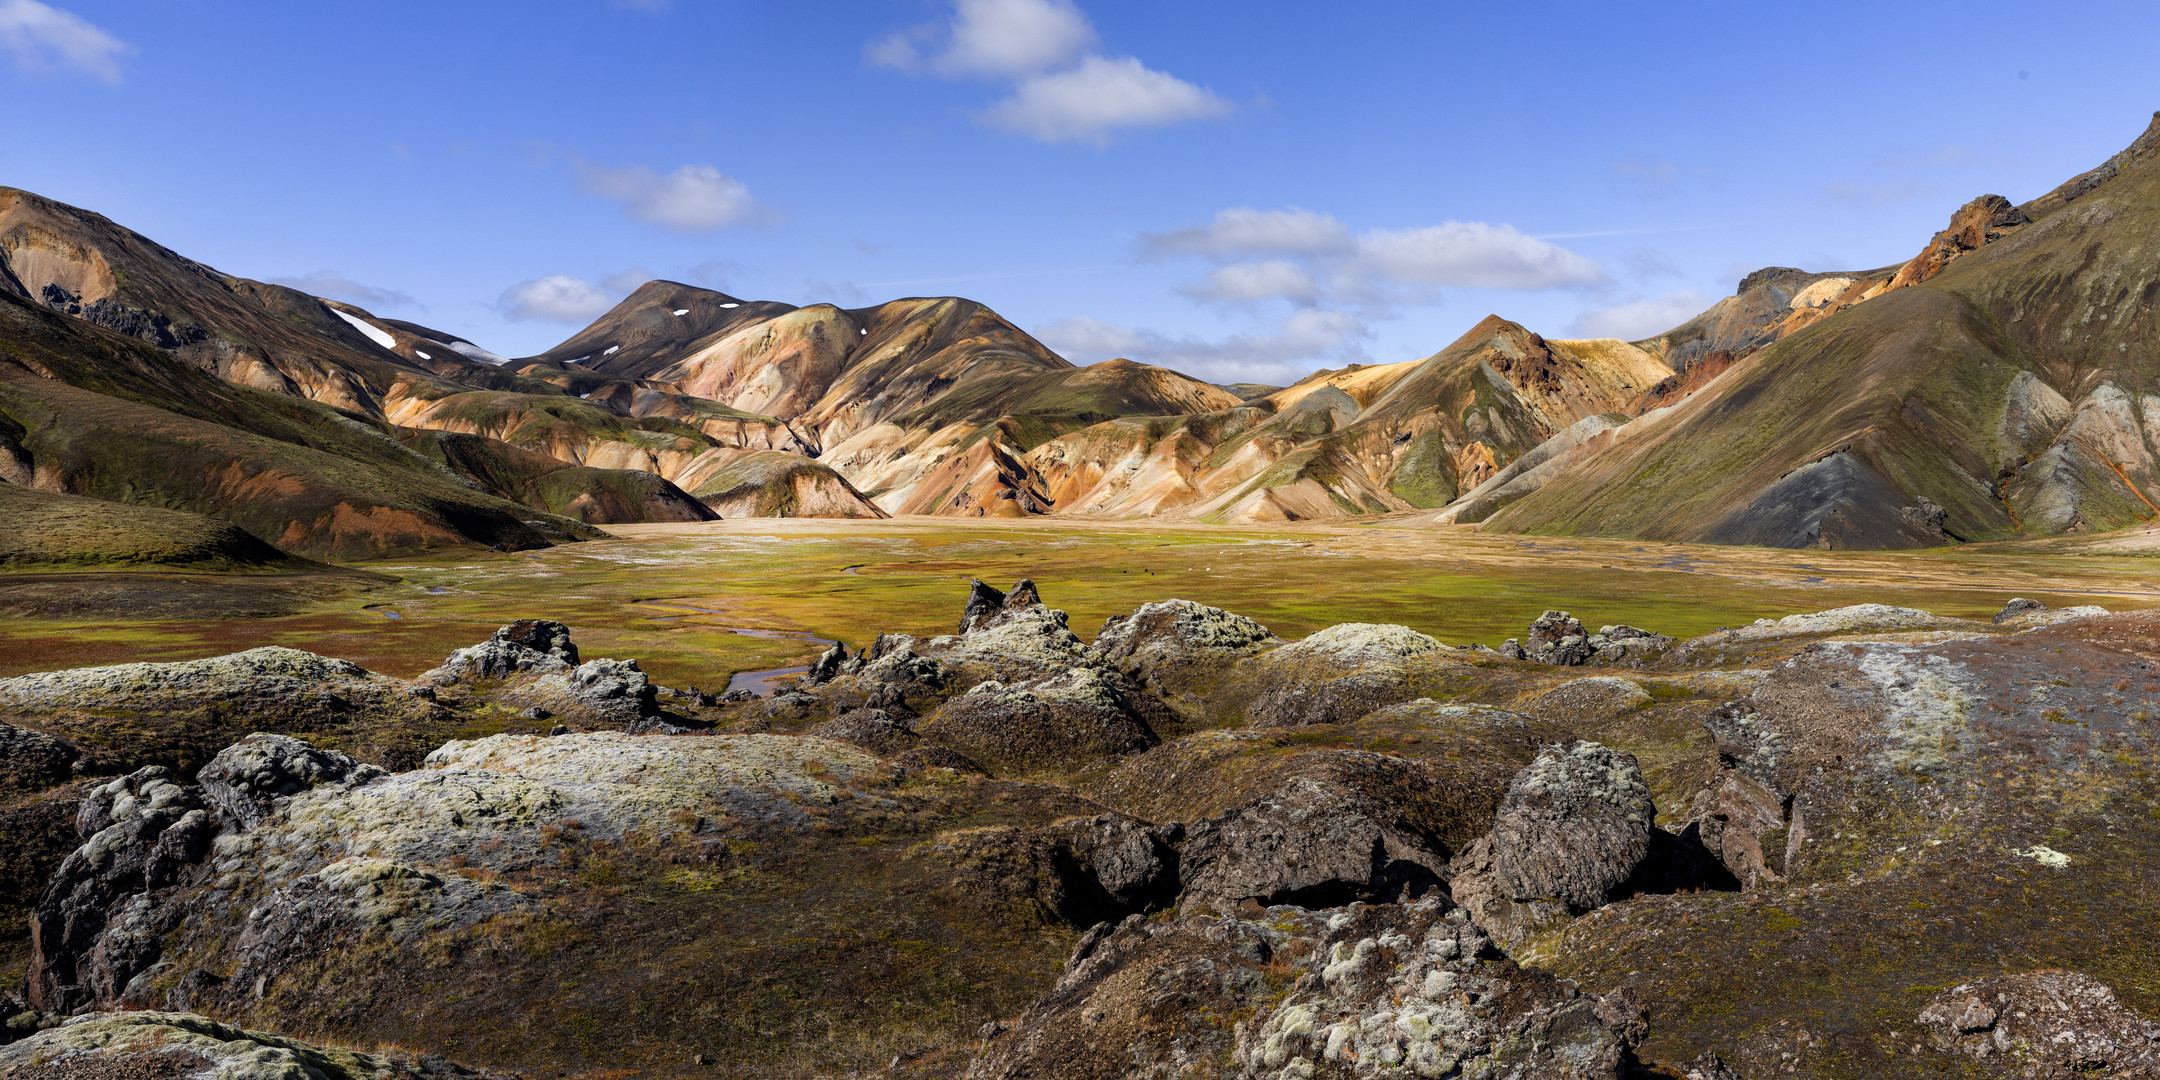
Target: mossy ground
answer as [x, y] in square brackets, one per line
[638, 595]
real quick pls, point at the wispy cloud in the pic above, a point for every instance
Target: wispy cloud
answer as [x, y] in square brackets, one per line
[1060, 92]
[1311, 258]
[1243, 231]
[1280, 354]
[1093, 102]
[1635, 320]
[561, 298]
[41, 38]
[337, 286]
[989, 38]
[692, 199]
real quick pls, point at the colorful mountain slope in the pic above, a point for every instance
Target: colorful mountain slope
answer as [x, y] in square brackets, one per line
[2003, 383]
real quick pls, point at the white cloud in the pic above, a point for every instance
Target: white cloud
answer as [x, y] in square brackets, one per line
[991, 38]
[42, 38]
[1100, 97]
[337, 286]
[1243, 231]
[1473, 255]
[1248, 282]
[1639, 319]
[693, 198]
[1290, 351]
[565, 299]
[1313, 259]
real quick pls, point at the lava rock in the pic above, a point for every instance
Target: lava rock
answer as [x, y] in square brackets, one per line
[1310, 842]
[1557, 638]
[140, 832]
[1575, 824]
[1337, 675]
[2047, 1023]
[541, 636]
[1063, 721]
[2016, 607]
[1177, 645]
[1374, 990]
[245, 781]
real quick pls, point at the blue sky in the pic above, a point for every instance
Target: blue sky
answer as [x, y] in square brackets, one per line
[1242, 190]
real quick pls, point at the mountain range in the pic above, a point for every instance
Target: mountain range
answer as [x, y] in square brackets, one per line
[2003, 383]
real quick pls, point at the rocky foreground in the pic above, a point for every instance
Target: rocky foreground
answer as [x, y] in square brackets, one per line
[1856, 843]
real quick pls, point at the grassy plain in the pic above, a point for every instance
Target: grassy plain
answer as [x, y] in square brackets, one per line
[639, 594]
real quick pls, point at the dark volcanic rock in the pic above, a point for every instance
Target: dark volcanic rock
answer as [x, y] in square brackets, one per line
[1066, 721]
[1337, 675]
[1177, 646]
[532, 663]
[1309, 842]
[1081, 872]
[1574, 828]
[2016, 607]
[1574, 825]
[540, 635]
[1557, 638]
[2043, 1024]
[246, 779]
[1373, 991]
[139, 832]
[32, 761]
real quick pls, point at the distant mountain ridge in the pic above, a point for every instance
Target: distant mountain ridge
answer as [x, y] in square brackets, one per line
[1999, 384]
[2004, 382]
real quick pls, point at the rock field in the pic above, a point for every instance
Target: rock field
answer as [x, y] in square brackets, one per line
[1864, 842]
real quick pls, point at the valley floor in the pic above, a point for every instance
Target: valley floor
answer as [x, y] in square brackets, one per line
[641, 593]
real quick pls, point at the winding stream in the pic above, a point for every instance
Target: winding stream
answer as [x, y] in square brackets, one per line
[760, 683]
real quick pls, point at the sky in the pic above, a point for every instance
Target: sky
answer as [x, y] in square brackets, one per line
[1245, 191]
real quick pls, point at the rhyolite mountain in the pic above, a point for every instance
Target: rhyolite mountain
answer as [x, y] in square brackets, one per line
[2004, 382]
[2000, 384]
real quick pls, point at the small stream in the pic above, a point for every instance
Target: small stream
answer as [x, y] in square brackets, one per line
[761, 683]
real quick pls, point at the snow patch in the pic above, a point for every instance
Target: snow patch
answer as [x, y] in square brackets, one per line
[470, 351]
[581, 397]
[731, 305]
[682, 311]
[422, 355]
[374, 333]
[611, 350]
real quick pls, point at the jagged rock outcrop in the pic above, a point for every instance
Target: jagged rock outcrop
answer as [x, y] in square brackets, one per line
[532, 663]
[1080, 872]
[1062, 722]
[1373, 991]
[2017, 607]
[1982, 221]
[1313, 843]
[1574, 827]
[1177, 646]
[1560, 639]
[245, 781]
[128, 715]
[1336, 675]
[87, 939]
[2043, 1024]
[156, 1045]
[1016, 640]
